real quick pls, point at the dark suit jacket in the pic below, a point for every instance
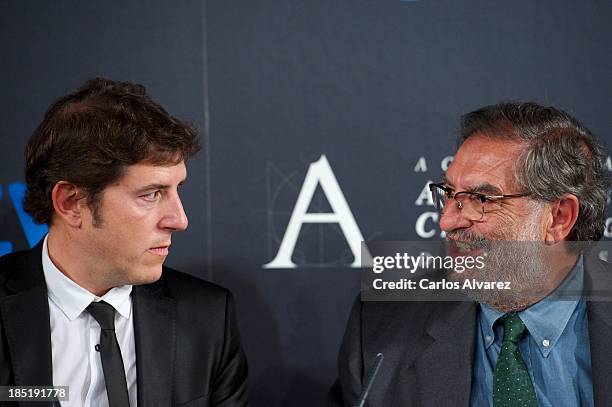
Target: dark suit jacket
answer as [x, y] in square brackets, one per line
[188, 350]
[429, 348]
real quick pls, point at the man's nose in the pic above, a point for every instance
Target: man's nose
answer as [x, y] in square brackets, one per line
[452, 217]
[175, 217]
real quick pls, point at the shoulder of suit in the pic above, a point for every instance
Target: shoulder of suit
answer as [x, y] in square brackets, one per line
[8, 261]
[184, 283]
[400, 308]
[605, 264]
[11, 257]
[378, 317]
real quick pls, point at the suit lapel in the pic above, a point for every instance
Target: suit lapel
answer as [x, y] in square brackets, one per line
[598, 291]
[600, 334]
[25, 317]
[597, 288]
[445, 366]
[154, 331]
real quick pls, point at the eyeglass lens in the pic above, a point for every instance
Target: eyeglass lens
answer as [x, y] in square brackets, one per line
[471, 206]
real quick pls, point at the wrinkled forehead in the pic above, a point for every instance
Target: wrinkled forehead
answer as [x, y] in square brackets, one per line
[485, 164]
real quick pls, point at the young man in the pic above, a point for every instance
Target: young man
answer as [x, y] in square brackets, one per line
[91, 306]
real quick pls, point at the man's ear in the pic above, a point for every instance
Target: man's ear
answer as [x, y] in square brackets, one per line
[563, 215]
[67, 203]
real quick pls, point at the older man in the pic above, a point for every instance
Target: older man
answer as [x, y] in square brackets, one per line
[527, 185]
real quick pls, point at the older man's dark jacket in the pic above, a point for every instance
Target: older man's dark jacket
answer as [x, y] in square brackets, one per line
[429, 349]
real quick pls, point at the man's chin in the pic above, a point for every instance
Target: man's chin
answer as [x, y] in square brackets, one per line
[514, 298]
[147, 277]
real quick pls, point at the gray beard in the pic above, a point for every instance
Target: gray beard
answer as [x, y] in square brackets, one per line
[520, 261]
[522, 264]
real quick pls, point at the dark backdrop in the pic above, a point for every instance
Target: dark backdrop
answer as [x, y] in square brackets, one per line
[375, 86]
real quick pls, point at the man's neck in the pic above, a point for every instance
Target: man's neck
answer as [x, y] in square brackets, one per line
[67, 256]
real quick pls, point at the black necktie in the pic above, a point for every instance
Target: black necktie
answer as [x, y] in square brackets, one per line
[112, 363]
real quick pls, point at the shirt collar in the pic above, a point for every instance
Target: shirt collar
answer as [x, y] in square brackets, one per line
[73, 299]
[546, 320]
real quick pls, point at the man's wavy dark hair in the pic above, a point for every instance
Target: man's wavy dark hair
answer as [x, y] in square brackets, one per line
[90, 137]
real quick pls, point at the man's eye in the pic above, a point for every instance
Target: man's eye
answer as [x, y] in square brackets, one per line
[152, 196]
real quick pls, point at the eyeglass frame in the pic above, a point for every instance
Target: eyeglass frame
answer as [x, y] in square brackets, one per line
[450, 194]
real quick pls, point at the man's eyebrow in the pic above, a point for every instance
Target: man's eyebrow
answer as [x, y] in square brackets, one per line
[445, 181]
[485, 188]
[156, 186]
[152, 187]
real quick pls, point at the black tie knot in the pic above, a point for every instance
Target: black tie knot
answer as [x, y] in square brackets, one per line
[104, 313]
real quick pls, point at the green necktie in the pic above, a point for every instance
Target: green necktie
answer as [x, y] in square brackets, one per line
[512, 385]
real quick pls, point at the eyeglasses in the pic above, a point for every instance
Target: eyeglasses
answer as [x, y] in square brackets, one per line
[473, 205]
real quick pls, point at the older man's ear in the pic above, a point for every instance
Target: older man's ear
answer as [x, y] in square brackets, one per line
[561, 218]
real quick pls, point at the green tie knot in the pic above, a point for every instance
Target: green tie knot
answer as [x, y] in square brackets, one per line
[514, 328]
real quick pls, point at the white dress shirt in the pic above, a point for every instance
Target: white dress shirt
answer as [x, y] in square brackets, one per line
[75, 334]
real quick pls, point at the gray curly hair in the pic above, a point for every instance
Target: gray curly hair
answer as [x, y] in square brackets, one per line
[560, 156]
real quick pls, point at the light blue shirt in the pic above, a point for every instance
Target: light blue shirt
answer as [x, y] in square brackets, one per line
[556, 351]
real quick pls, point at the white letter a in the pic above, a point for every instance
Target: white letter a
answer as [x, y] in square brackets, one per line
[321, 173]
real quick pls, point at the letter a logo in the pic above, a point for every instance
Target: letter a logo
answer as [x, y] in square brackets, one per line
[320, 173]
